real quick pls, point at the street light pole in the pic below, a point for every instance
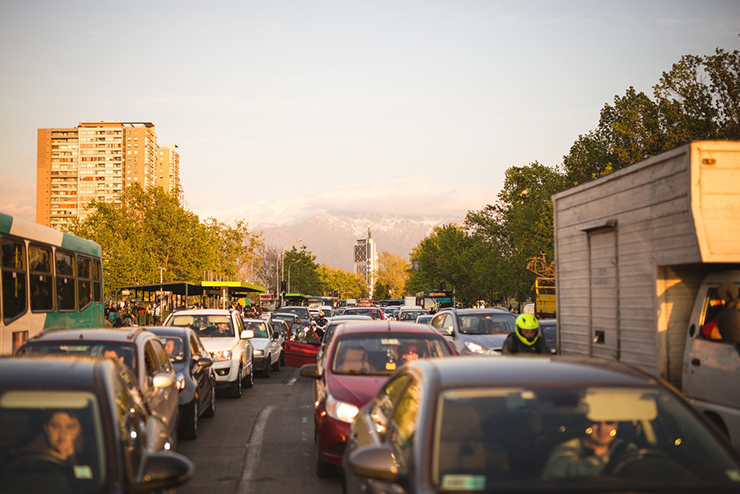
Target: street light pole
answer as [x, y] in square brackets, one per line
[290, 266]
[282, 277]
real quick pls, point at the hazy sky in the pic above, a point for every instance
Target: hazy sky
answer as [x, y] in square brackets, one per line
[282, 109]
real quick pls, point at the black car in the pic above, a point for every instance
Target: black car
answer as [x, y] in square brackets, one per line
[80, 424]
[196, 380]
[549, 330]
[529, 424]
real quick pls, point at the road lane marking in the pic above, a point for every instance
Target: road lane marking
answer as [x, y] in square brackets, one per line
[292, 381]
[254, 448]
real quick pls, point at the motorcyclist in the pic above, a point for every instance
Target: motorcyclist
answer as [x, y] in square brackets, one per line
[526, 338]
[321, 324]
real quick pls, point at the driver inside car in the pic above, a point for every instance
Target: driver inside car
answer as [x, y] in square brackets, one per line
[62, 437]
[588, 455]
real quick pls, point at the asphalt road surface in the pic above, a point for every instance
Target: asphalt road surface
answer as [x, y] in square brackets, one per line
[261, 443]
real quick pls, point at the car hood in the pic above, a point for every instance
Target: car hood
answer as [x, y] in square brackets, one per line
[260, 343]
[218, 344]
[355, 389]
[486, 340]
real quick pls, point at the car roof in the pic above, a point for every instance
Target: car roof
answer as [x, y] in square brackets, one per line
[203, 312]
[476, 371]
[376, 326]
[169, 330]
[100, 334]
[487, 310]
[50, 372]
[256, 320]
[350, 317]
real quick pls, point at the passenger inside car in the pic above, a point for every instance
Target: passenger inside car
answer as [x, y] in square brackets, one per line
[354, 359]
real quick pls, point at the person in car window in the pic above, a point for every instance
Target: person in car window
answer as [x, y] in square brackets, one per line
[526, 339]
[62, 437]
[588, 455]
[410, 353]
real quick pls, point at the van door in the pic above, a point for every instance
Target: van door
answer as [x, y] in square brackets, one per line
[711, 376]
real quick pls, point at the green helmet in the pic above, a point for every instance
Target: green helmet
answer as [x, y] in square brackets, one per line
[527, 322]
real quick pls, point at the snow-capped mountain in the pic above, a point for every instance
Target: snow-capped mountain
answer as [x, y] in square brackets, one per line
[331, 236]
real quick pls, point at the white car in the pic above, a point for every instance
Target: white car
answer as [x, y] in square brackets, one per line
[223, 334]
[266, 346]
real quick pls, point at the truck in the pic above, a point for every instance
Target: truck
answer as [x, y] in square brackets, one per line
[640, 254]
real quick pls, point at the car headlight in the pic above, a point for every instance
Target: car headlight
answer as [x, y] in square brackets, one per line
[221, 355]
[340, 410]
[474, 347]
[180, 380]
[258, 353]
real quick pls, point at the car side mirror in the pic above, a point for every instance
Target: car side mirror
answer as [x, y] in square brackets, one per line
[310, 370]
[377, 463]
[162, 380]
[204, 362]
[247, 334]
[162, 471]
[448, 331]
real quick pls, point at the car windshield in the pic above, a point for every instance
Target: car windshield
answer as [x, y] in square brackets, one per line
[124, 352]
[374, 313]
[51, 441]
[175, 347]
[383, 353]
[573, 439]
[298, 311]
[259, 328]
[284, 317]
[206, 326]
[410, 315]
[486, 323]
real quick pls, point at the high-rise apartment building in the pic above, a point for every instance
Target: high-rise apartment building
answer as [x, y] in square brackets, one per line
[168, 167]
[95, 160]
[366, 260]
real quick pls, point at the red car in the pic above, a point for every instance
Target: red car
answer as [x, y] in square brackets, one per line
[359, 360]
[374, 312]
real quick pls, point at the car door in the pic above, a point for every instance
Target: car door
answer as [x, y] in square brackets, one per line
[169, 393]
[201, 375]
[303, 348]
[244, 344]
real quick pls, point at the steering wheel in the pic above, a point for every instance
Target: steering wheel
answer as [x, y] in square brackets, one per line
[620, 463]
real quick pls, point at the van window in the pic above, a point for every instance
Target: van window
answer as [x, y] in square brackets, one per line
[14, 279]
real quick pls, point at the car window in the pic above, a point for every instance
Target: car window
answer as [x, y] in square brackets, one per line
[437, 321]
[259, 328]
[175, 347]
[133, 417]
[486, 323]
[162, 357]
[123, 352]
[65, 425]
[385, 402]
[383, 353]
[403, 424]
[151, 366]
[205, 326]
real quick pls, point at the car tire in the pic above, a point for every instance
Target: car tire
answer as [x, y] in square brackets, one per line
[235, 391]
[211, 410]
[190, 425]
[249, 380]
[276, 365]
[324, 469]
[266, 370]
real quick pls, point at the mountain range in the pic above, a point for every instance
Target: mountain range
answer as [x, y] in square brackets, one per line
[331, 236]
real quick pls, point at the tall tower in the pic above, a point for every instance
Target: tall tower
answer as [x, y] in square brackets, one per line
[167, 171]
[366, 260]
[95, 160]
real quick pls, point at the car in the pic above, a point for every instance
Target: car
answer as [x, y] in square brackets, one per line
[328, 310]
[475, 331]
[549, 330]
[112, 441]
[280, 328]
[339, 311]
[374, 312]
[140, 350]
[196, 378]
[266, 346]
[361, 357]
[526, 424]
[304, 315]
[424, 318]
[224, 336]
[410, 313]
[308, 344]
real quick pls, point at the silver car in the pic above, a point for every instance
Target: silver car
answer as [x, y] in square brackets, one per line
[475, 331]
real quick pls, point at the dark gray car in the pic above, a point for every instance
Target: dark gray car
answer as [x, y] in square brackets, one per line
[475, 331]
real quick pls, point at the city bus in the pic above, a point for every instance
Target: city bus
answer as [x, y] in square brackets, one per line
[50, 279]
[434, 300]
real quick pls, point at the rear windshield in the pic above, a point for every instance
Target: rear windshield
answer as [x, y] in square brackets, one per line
[374, 313]
[124, 352]
[298, 311]
[383, 353]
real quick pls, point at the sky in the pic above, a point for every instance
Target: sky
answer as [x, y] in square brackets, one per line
[282, 109]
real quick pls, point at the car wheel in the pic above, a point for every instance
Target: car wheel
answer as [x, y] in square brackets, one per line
[324, 469]
[276, 365]
[211, 410]
[249, 380]
[266, 370]
[190, 425]
[236, 387]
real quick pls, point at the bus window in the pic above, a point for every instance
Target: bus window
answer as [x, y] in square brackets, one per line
[84, 283]
[65, 264]
[42, 280]
[97, 280]
[14, 279]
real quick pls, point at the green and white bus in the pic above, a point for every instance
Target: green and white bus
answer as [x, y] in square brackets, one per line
[50, 279]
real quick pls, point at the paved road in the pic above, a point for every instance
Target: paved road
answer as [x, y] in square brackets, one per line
[261, 443]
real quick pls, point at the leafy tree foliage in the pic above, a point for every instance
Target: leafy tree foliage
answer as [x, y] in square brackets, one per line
[391, 277]
[304, 271]
[152, 229]
[343, 283]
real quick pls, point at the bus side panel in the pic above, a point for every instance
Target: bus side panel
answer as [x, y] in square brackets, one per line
[90, 317]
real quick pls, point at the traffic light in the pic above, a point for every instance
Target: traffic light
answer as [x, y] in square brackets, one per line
[283, 286]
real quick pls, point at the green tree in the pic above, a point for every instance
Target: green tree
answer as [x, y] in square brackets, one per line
[393, 272]
[304, 271]
[345, 284]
